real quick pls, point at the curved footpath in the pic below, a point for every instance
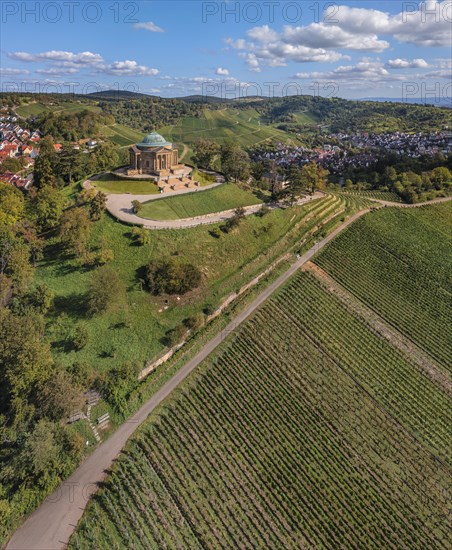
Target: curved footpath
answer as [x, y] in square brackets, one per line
[52, 524]
[120, 207]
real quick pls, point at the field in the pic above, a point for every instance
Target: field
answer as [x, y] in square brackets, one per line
[108, 184]
[34, 109]
[398, 262]
[121, 135]
[224, 197]
[307, 430]
[373, 194]
[243, 127]
[133, 329]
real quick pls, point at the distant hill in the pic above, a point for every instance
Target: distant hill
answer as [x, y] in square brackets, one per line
[202, 99]
[117, 94]
[437, 102]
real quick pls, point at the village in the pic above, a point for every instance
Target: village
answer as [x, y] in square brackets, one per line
[22, 144]
[358, 150]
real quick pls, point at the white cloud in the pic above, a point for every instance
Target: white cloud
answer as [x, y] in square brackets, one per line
[9, 71]
[127, 68]
[406, 64]
[58, 71]
[83, 58]
[149, 26]
[366, 70]
[222, 72]
[347, 29]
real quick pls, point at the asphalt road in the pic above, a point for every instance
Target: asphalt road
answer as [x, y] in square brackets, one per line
[52, 524]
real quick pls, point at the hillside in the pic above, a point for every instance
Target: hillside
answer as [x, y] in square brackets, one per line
[312, 427]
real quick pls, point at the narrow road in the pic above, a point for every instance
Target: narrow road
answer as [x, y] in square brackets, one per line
[52, 524]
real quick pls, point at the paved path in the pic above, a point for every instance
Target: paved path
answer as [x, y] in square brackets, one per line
[120, 206]
[52, 524]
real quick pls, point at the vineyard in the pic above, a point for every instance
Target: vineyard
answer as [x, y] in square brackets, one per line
[307, 430]
[399, 263]
[373, 194]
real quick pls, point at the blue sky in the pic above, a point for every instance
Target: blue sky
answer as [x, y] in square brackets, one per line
[229, 49]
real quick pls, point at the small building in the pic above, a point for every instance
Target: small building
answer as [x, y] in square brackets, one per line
[154, 155]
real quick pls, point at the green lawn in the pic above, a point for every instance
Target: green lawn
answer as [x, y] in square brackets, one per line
[137, 187]
[198, 203]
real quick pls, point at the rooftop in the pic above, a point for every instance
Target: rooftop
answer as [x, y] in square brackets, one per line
[153, 140]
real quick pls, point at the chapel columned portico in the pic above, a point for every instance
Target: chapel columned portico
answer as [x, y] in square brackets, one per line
[154, 155]
[159, 159]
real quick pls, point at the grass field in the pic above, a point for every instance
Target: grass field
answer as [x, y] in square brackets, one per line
[224, 197]
[307, 430]
[138, 187]
[133, 329]
[399, 262]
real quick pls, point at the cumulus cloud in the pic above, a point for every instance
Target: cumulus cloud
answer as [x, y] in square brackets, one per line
[149, 26]
[344, 28]
[83, 58]
[127, 68]
[68, 63]
[222, 72]
[366, 70]
[407, 64]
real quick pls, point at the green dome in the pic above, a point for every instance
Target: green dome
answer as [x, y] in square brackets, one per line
[153, 140]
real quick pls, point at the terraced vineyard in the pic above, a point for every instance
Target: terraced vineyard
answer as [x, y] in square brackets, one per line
[399, 263]
[375, 194]
[307, 430]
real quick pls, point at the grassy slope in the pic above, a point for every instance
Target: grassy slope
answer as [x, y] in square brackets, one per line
[226, 263]
[399, 262]
[243, 127]
[125, 186]
[306, 430]
[224, 197]
[34, 109]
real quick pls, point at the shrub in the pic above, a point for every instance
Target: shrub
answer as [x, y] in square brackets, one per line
[81, 338]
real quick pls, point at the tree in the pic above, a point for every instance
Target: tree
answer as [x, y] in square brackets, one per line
[105, 289]
[12, 204]
[49, 204]
[235, 162]
[10, 165]
[313, 177]
[41, 298]
[75, 231]
[136, 206]
[141, 235]
[25, 363]
[172, 276]
[205, 152]
[15, 259]
[70, 163]
[441, 177]
[80, 338]
[44, 172]
[59, 397]
[97, 205]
